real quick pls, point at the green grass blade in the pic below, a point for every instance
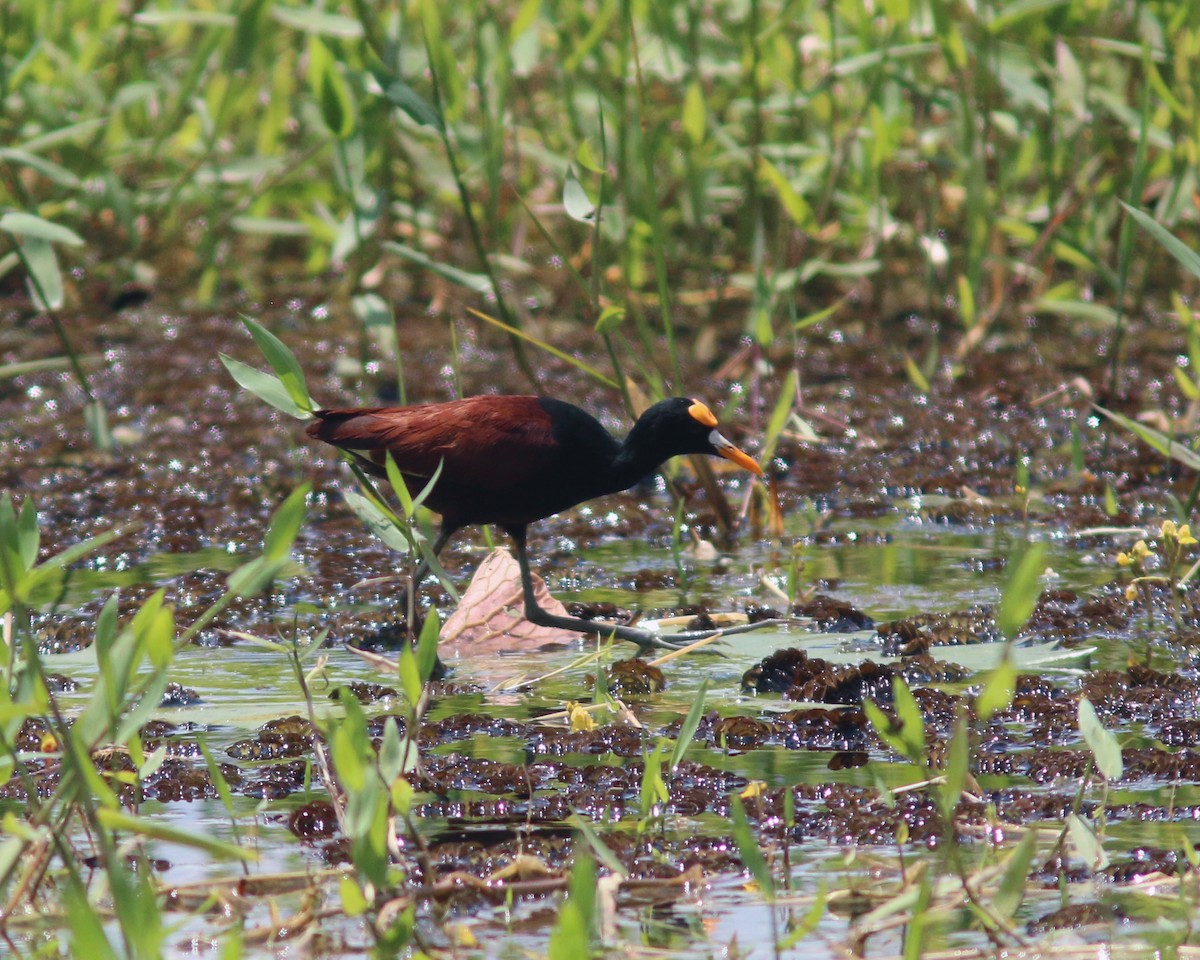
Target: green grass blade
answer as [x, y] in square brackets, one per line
[1187, 257]
[267, 388]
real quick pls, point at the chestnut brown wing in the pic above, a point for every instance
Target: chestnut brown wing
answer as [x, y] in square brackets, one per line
[489, 443]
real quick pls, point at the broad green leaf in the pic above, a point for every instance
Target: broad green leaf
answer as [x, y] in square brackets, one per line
[780, 415]
[251, 578]
[912, 725]
[330, 90]
[1186, 256]
[800, 928]
[442, 58]
[998, 689]
[611, 317]
[354, 900]
[412, 103]
[1187, 386]
[476, 282]
[45, 582]
[1010, 13]
[576, 202]
[95, 416]
[427, 645]
[12, 569]
[283, 364]
[1070, 85]
[375, 314]
[582, 890]
[87, 932]
[1111, 507]
[599, 848]
[966, 301]
[654, 791]
[270, 226]
[915, 374]
[378, 522]
[1189, 852]
[215, 774]
[1087, 844]
[195, 18]
[409, 673]
[907, 736]
[48, 169]
[957, 763]
[1079, 309]
[571, 937]
[814, 318]
[285, 524]
[882, 725]
[1155, 439]
[391, 751]
[1103, 743]
[45, 279]
[27, 225]
[242, 52]
[28, 536]
[1015, 879]
[526, 14]
[748, 849]
[1021, 590]
[185, 836]
[399, 486]
[267, 388]
[587, 158]
[695, 113]
[796, 206]
[313, 20]
[106, 633]
[687, 729]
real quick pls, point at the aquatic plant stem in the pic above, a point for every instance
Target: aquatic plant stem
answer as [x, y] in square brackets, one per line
[1125, 242]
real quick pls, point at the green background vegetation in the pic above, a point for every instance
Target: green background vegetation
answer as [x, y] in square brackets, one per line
[769, 163]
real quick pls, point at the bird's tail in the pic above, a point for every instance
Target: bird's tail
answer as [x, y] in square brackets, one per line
[344, 428]
[351, 430]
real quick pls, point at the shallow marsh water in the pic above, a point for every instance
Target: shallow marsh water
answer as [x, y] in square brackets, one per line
[893, 527]
[901, 572]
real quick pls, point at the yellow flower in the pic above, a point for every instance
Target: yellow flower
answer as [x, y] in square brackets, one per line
[1168, 530]
[579, 719]
[756, 788]
[1185, 536]
[1131, 592]
[1124, 559]
[1140, 551]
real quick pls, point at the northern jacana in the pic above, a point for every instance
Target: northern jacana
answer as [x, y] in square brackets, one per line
[511, 460]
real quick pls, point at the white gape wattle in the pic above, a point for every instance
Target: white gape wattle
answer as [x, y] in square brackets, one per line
[718, 441]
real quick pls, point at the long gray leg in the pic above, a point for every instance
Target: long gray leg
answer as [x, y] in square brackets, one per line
[645, 639]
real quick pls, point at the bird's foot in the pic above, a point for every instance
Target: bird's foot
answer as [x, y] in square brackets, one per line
[680, 641]
[645, 639]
